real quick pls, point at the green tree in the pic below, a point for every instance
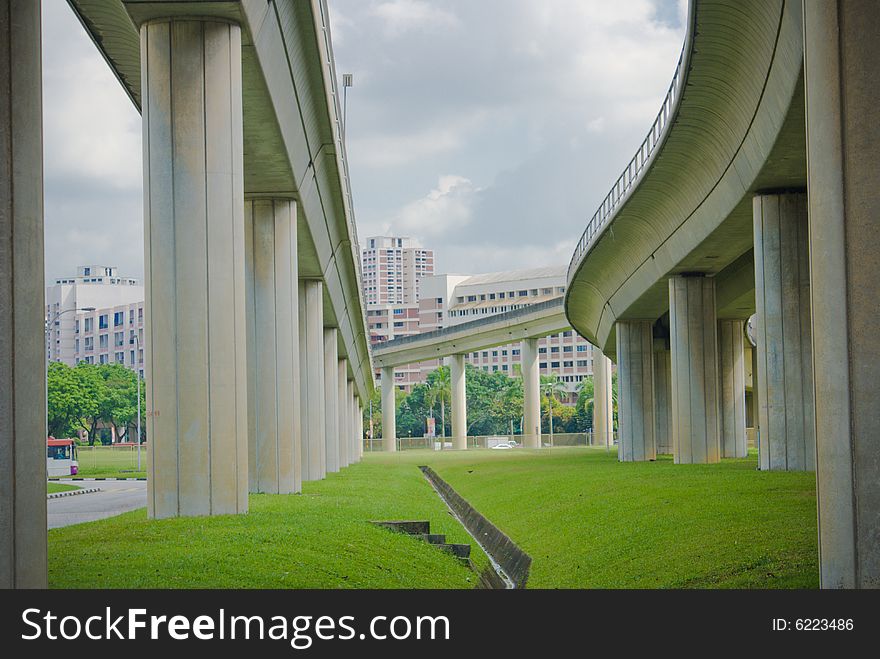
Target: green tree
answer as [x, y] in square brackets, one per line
[67, 400]
[552, 389]
[118, 406]
[440, 390]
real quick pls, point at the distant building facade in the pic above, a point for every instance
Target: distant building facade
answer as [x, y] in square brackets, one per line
[450, 300]
[112, 333]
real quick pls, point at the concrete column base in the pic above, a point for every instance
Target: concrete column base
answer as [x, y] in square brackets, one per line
[731, 352]
[459, 402]
[273, 346]
[22, 299]
[345, 420]
[603, 404]
[196, 345]
[840, 69]
[635, 395]
[531, 373]
[663, 400]
[693, 340]
[389, 411]
[785, 360]
[332, 402]
[312, 393]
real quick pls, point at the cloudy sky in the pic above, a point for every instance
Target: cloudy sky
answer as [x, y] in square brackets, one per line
[488, 130]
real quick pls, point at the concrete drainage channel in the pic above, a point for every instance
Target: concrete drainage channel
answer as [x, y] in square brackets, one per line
[510, 564]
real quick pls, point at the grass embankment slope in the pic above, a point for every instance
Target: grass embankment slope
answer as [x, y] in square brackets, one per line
[320, 539]
[52, 488]
[589, 521]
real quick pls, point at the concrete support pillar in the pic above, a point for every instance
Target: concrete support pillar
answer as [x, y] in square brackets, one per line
[693, 338]
[603, 404]
[356, 442]
[312, 393]
[273, 345]
[663, 398]
[731, 364]
[359, 431]
[459, 401]
[196, 345]
[841, 64]
[332, 402]
[22, 299]
[785, 357]
[389, 410]
[635, 391]
[531, 373]
[345, 420]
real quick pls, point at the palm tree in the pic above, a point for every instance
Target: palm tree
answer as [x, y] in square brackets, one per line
[552, 387]
[439, 389]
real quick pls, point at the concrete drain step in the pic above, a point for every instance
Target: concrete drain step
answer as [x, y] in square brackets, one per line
[422, 529]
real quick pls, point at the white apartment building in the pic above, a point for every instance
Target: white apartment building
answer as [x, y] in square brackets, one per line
[104, 335]
[450, 300]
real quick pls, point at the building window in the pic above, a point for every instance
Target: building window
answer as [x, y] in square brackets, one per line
[566, 348]
[119, 339]
[131, 355]
[118, 318]
[554, 364]
[582, 348]
[90, 343]
[582, 363]
[523, 293]
[120, 357]
[554, 349]
[568, 364]
[104, 342]
[542, 351]
[102, 321]
[87, 324]
[103, 359]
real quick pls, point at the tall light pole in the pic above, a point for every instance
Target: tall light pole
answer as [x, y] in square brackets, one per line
[347, 81]
[137, 373]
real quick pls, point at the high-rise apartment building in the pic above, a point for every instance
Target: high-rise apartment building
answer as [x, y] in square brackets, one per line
[101, 336]
[393, 269]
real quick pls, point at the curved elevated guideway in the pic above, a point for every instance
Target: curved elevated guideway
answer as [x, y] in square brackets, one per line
[712, 222]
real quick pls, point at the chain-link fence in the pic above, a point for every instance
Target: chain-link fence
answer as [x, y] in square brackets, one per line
[120, 460]
[556, 440]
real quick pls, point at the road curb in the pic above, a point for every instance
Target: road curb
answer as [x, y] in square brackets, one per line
[58, 495]
[97, 479]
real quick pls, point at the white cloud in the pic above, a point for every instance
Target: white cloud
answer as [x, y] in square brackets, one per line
[401, 16]
[91, 128]
[446, 208]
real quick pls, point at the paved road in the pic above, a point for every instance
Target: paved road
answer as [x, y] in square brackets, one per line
[114, 498]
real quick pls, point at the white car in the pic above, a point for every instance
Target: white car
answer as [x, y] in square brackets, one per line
[504, 445]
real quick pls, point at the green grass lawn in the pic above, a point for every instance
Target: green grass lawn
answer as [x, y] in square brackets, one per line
[589, 521]
[320, 539]
[52, 488]
[107, 462]
[586, 520]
